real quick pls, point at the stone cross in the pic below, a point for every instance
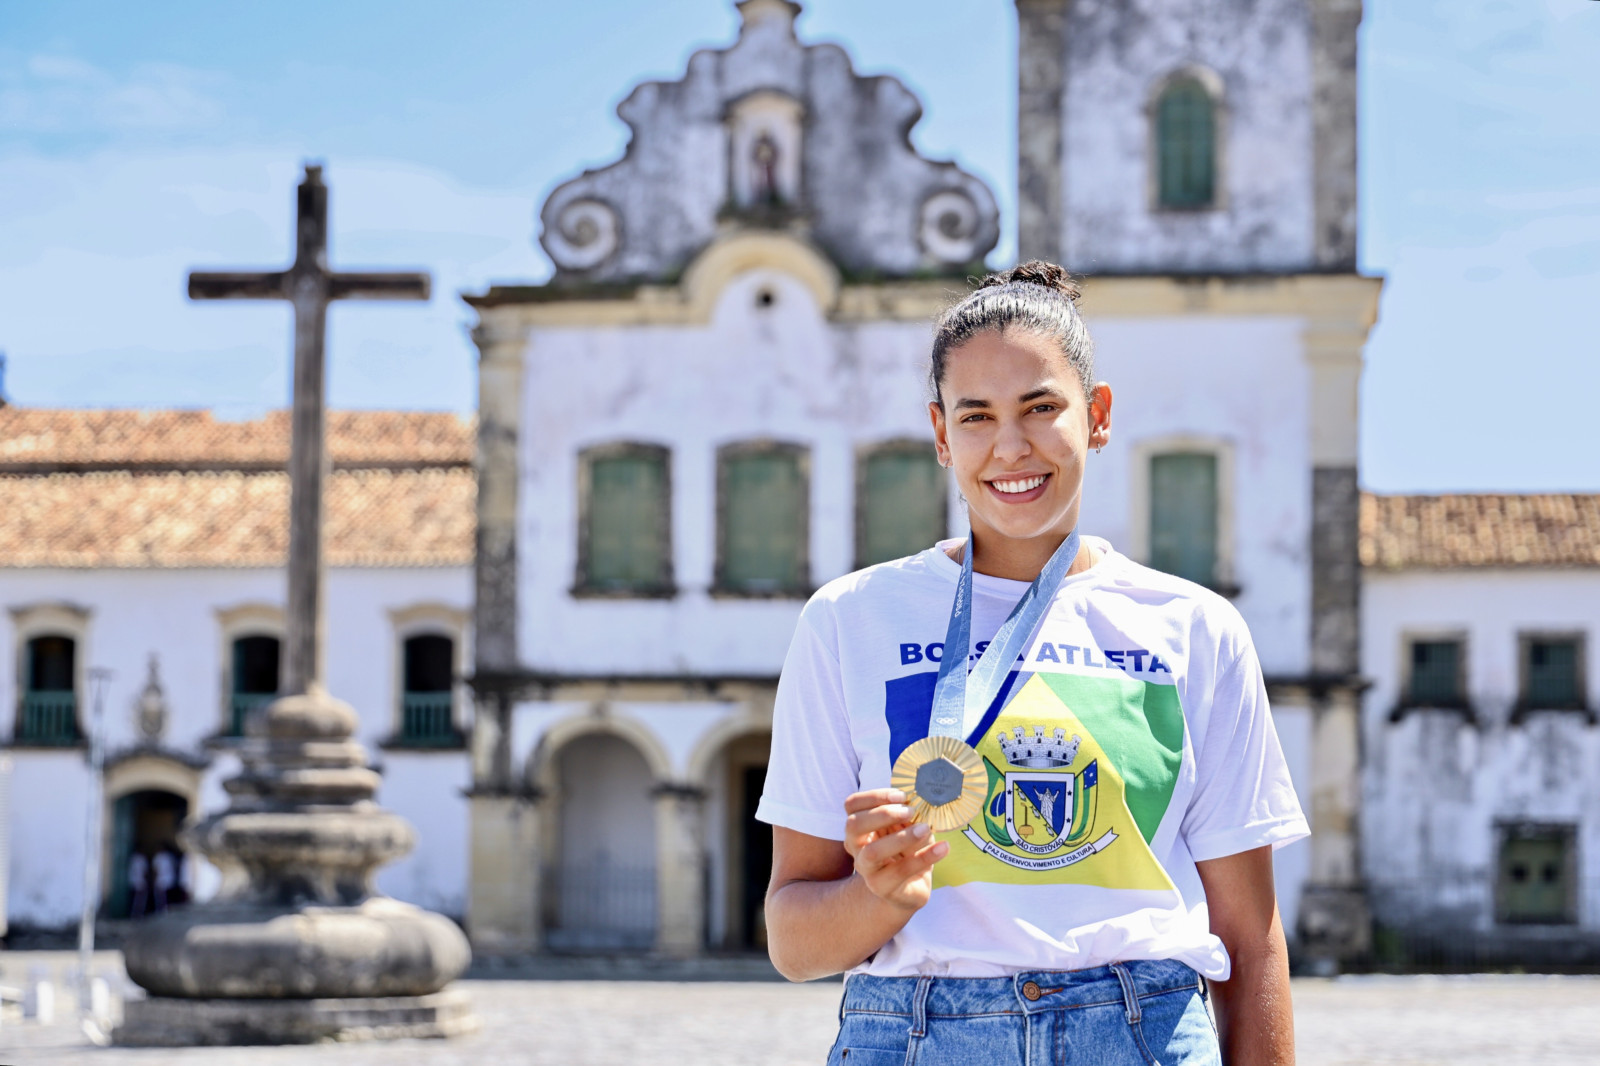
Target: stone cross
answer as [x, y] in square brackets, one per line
[309, 285]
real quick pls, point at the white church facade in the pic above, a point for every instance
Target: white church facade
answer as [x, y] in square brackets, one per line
[718, 403]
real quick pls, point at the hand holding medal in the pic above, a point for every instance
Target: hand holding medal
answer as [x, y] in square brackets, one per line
[942, 776]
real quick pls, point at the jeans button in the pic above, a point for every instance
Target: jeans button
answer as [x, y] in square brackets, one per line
[1031, 991]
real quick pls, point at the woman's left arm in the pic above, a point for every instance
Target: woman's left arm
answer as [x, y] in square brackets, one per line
[1255, 1018]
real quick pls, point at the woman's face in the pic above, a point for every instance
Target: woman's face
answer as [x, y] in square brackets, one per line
[1016, 428]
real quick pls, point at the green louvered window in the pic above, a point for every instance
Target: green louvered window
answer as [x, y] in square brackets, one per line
[1183, 515]
[49, 706]
[1186, 139]
[1436, 674]
[256, 661]
[901, 503]
[627, 546]
[1552, 673]
[762, 533]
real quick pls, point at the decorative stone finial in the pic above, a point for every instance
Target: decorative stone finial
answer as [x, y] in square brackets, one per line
[755, 12]
[150, 713]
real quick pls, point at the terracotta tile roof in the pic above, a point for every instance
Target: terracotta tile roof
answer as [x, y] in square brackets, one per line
[123, 519]
[44, 440]
[1490, 530]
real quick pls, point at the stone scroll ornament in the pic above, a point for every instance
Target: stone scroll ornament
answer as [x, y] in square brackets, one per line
[949, 226]
[584, 234]
[942, 776]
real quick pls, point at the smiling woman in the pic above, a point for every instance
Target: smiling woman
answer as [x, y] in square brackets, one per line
[1075, 837]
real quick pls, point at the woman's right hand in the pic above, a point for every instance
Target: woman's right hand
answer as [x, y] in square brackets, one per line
[893, 855]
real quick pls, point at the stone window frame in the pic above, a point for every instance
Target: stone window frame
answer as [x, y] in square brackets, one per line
[1505, 831]
[581, 587]
[763, 446]
[1404, 701]
[1145, 449]
[256, 618]
[427, 619]
[865, 453]
[1524, 706]
[50, 619]
[1209, 80]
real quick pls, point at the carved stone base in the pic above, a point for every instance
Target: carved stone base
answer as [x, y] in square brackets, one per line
[1335, 926]
[168, 1021]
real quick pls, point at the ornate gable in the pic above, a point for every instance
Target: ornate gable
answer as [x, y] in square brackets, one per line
[770, 133]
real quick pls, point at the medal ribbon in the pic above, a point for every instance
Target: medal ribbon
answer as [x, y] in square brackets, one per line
[959, 702]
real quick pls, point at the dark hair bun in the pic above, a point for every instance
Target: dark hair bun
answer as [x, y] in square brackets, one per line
[1036, 272]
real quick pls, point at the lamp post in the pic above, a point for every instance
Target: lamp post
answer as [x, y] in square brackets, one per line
[99, 678]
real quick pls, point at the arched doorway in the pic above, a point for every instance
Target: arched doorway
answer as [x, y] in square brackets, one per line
[741, 847]
[149, 872]
[601, 888]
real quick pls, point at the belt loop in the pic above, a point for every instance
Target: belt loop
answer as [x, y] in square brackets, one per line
[1130, 992]
[919, 1007]
[844, 996]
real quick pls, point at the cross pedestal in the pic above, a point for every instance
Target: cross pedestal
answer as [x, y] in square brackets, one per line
[298, 947]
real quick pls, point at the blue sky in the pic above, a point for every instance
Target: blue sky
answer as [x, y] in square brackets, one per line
[138, 141]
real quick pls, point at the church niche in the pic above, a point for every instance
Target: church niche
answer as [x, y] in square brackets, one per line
[764, 141]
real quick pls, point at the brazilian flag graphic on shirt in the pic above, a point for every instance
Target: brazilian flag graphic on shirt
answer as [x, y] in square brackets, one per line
[1081, 770]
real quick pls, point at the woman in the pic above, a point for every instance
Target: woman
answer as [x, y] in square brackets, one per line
[1120, 788]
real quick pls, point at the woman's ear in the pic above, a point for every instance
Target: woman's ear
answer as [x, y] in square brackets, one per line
[1099, 415]
[941, 440]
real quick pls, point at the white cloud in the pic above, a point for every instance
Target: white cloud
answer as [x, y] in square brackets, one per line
[65, 95]
[95, 252]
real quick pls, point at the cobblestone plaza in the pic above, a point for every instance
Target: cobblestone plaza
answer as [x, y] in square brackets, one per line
[1524, 1020]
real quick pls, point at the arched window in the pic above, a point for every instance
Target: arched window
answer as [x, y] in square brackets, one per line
[1186, 146]
[254, 679]
[427, 704]
[1183, 515]
[625, 512]
[49, 712]
[763, 519]
[902, 502]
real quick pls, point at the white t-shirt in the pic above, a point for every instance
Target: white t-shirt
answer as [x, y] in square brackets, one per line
[1134, 740]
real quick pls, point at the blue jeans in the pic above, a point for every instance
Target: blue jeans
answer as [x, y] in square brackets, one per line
[1125, 1014]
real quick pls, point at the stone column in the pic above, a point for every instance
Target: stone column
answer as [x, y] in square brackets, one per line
[1334, 24]
[1335, 924]
[680, 870]
[504, 898]
[1041, 99]
[503, 908]
[1334, 921]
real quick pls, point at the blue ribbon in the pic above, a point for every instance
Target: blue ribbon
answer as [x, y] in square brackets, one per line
[959, 702]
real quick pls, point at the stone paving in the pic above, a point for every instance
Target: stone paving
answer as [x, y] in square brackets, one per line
[1350, 1021]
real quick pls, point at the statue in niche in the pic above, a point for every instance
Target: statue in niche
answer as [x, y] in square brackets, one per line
[764, 171]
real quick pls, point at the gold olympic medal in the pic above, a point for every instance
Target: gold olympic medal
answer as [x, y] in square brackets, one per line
[944, 782]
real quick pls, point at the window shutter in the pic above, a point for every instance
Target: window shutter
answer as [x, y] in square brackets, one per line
[764, 515]
[1553, 674]
[1535, 876]
[627, 522]
[1186, 146]
[1435, 673]
[1183, 515]
[902, 504]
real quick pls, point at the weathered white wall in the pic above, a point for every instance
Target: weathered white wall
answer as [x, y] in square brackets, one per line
[1238, 383]
[1436, 786]
[785, 372]
[780, 372]
[172, 613]
[1117, 52]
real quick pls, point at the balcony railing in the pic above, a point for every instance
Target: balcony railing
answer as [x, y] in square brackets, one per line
[49, 718]
[240, 706]
[426, 720]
